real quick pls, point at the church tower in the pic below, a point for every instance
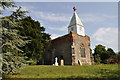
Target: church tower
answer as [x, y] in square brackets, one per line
[76, 24]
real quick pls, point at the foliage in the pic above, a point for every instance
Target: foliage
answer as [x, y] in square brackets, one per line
[10, 40]
[84, 72]
[114, 59]
[111, 52]
[11, 43]
[97, 58]
[101, 55]
[18, 14]
[35, 32]
[11, 63]
[118, 57]
[6, 4]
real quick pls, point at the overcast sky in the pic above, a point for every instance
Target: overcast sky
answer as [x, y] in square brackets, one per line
[100, 19]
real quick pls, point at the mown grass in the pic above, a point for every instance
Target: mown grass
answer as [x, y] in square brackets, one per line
[85, 72]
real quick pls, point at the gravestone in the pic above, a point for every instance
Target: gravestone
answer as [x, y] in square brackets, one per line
[61, 62]
[56, 63]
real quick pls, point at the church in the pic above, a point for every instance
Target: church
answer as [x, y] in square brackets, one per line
[72, 48]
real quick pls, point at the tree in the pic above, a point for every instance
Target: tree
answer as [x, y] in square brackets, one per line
[118, 57]
[111, 52]
[101, 55]
[18, 14]
[97, 58]
[113, 57]
[6, 4]
[99, 52]
[36, 33]
[10, 41]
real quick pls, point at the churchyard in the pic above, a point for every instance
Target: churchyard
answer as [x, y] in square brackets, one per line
[26, 43]
[84, 72]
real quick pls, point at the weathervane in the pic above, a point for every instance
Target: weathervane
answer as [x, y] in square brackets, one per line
[74, 8]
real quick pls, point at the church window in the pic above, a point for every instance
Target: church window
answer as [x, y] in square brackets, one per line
[82, 50]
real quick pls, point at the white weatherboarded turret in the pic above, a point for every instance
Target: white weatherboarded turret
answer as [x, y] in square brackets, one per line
[76, 24]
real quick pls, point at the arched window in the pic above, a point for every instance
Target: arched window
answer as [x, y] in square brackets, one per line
[82, 51]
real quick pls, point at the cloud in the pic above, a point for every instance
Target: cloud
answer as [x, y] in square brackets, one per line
[66, 17]
[26, 8]
[23, 8]
[53, 36]
[45, 15]
[96, 18]
[51, 16]
[64, 28]
[91, 18]
[107, 35]
[56, 31]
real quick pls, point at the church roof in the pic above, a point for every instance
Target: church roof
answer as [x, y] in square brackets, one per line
[75, 20]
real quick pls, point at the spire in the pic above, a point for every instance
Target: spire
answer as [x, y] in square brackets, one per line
[76, 23]
[75, 19]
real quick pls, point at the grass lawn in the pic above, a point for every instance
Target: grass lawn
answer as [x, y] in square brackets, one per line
[85, 72]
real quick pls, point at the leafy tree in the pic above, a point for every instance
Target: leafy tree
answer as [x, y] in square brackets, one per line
[113, 57]
[101, 55]
[111, 52]
[98, 53]
[99, 49]
[35, 32]
[118, 57]
[97, 58]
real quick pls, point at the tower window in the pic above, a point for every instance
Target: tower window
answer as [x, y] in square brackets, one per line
[82, 51]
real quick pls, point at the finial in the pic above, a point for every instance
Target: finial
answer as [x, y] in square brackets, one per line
[74, 8]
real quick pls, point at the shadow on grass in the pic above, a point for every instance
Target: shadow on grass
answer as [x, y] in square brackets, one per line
[77, 78]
